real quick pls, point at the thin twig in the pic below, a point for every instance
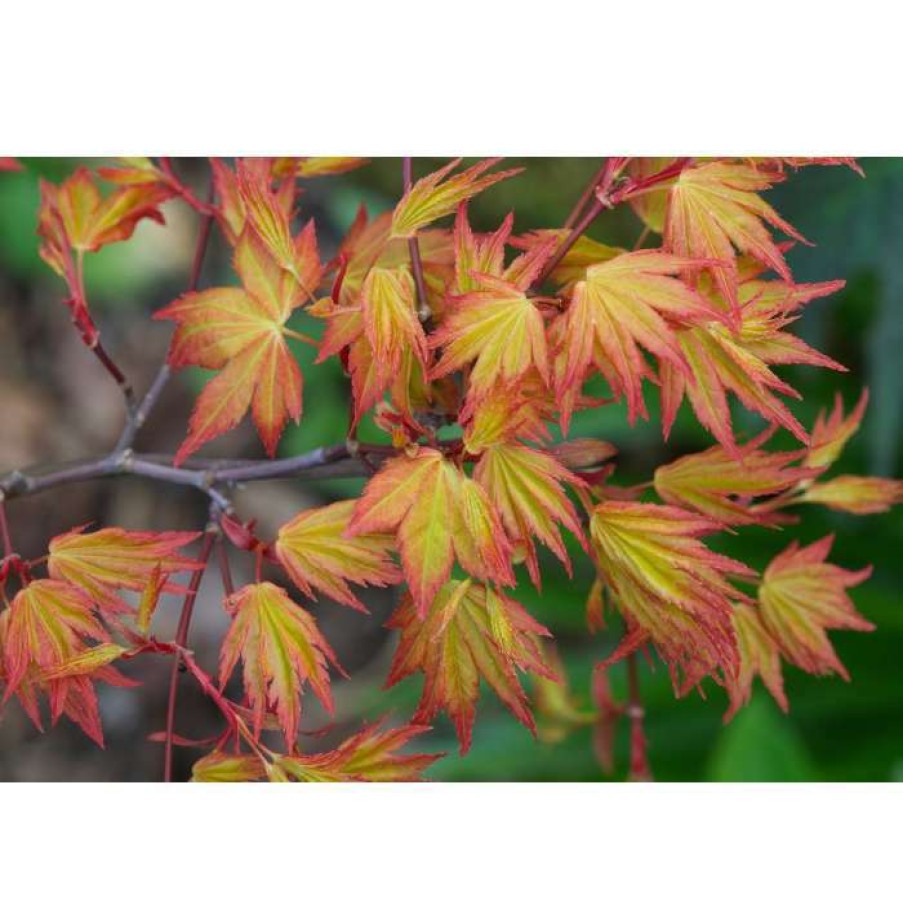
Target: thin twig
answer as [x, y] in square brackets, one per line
[584, 198]
[181, 640]
[138, 417]
[423, 308]
[339, 460]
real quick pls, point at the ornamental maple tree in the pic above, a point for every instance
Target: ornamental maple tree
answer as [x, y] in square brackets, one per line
[472, 352]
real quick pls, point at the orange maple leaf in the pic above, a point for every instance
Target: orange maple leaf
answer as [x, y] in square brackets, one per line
[369, 755]
[438, 514]
[713, 208]
[469, 631]
[112, 558]
[670, 587]
[431, 198]
[630, 301]
[801, 596]
[281, 649]
[242, 333]
[44, 630]
[719, 485]
[317, 555]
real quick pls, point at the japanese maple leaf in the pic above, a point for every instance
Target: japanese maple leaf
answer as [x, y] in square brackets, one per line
[313, 167]
[242, 333]
[269, 215]
[855, 494]
[759, 655]
[832, 432]
[74, 216]
[281, 650]
[317, 555]
[499, 329]
[390, 321]
[372, 754]
[526, 485]
[112, 558]
[671, 588]
[719, 363]
[48, 625]
[438, 515]
[801, 596]
[431, 198]
[713, 208]
[222, 768]
[718, 485]
[469, 631]
[629, 302]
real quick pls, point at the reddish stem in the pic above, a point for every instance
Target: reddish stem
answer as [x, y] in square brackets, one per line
[639, 764]
[181, 641]
[584, 198]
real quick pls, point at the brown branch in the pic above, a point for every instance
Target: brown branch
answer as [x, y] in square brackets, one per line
[423, 308]
[181, 641]
[341, 460]
[137, 417]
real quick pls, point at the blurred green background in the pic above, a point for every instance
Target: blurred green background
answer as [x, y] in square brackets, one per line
[835, 730]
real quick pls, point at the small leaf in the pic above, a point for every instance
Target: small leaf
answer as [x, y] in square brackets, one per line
[281, 650]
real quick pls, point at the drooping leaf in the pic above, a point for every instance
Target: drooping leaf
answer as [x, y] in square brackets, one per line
[317, 555]
[470, 631]
[671, 588]
[48, 626]
[112, 558]
[719, 485]
[369, 755]
[281, 650]
[856, 495]
[759, 655]
[526, 485]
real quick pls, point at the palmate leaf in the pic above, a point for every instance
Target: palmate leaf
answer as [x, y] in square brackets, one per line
[498, 329]
[715, 207]
[317, 555]
[759, 654]
[371, 755]
[719, 363]
[241, 333]
[671, 588]
[75, 216]
[281, 650]
[112, 558]
[718, 485]
[631, 301]
[526, 485]
[469, 631]
[431, 198]
[45, 636]
[801, 596]
[439, 515]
